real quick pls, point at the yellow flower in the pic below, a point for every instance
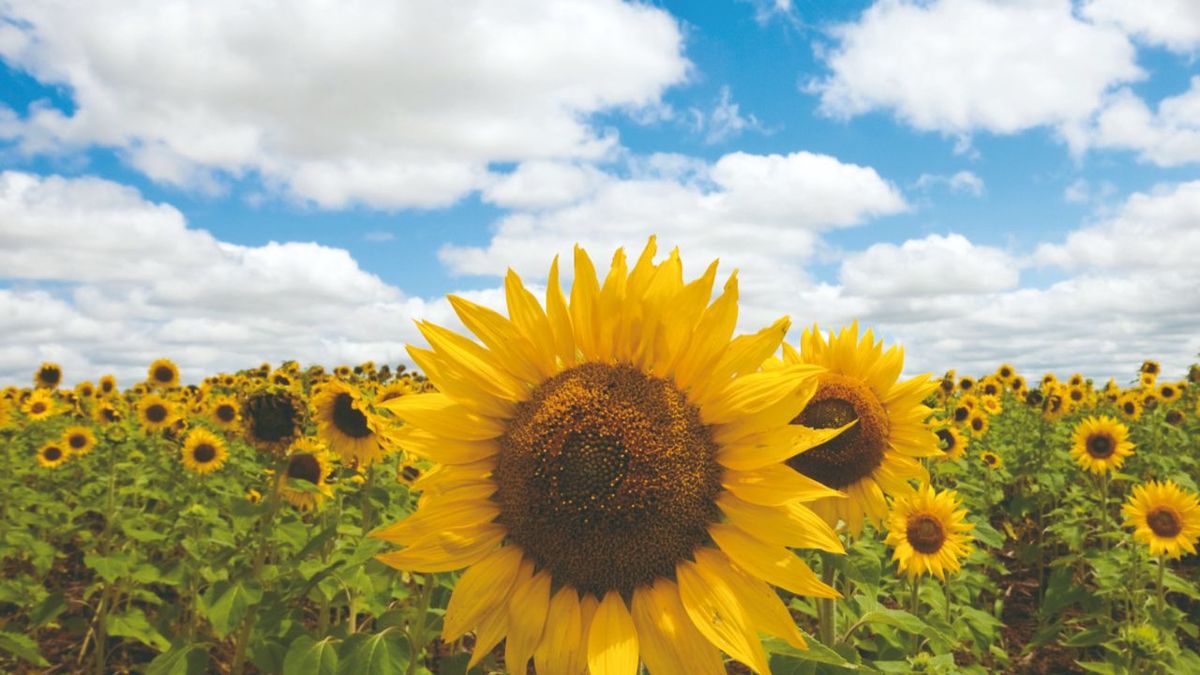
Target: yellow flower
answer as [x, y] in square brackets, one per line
[929, 532]
[48, 376]
[346, 424]
[108, 385]
[977, 423]
[1006, 372]
[303, 483]
[40, 405]
[1165, 517]
[612, 475]
[879, 454]
[223, 411]
[155, 413]
[203, 451]
[272, 419]
[52, 455]
[991, 405]
[79, 439]
[991, 460]
[163, 373]
[1101, 444]
[1130, 406]
[1169, 391]
[953, 443]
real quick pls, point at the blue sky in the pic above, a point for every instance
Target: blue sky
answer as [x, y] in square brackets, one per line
[981, 181]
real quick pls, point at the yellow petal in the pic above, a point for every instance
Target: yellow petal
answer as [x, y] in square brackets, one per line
[670, 644]
[439, 415]
[709, 339]
[754, 393]
[612, 639]
[745, 354]
[585, 292]
[469, 356]
[442, 450]
[464, 386]
[562, 643]
[588, 604]
[485, 586]
[793, 524]
[448, 551]
[761, 604]
[510, 349]
[775, 484]
[773, 417]
[526, 618]
[775, 446]
[530, 319]
[713, 607]
[444, 515]
[560, 318]
[772, 563]
[684, 311]
[491, 630]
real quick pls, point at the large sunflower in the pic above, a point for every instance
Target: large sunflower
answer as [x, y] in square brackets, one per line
[52, 455]
[203, 451]
[155, 412]
[48, 376]
[273, 418]
[79, 439]
[163, 373]
[1101, 444]
[860, 383]
[1165, 517]
[309, 462]
[929, 532]
[612, 475]
[346, 423]
[40, 405]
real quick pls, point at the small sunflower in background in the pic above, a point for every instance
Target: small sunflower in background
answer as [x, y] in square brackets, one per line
[346, 423]
[107, 386]
[308, 462]
[1101, 444]
[106, 412]
[1017, 385]
[272, 419]
[1151, 368]
[991, 460]
[1165, 517]
[155, 413]
[48, 376]
[977, 423]
[991, 405]
[1169, 392]
[5, 411]
[929, 532]
[1076, 380]
[163, 373]
[395, 389]
[40, 405]
[1049, 380]
[1148, 380]
[79, 439]
[52, 455]
[966, 384]
[952, 442]
[1175, 417]
[224, 412]
[1006, 372]
[85, 390]
[1130, 407]
[203, 451]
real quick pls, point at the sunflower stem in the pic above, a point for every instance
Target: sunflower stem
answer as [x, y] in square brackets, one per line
[1162, 589]
[416, 635]
[367, 512]
[946, 587]
[914, 604]
[827, 607]
[260, 558]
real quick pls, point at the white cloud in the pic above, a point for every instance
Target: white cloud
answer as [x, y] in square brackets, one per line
[961, 66]
[1168, 136]
[961, 181]
[935, 265]
[384, 103]
[543, 184]
[1174, 24]
[725, 121]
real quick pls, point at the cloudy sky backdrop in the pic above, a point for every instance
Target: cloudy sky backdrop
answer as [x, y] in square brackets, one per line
[225, 182]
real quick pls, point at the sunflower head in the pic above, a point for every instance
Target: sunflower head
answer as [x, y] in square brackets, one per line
[612, 472]
[1169, 391]
[977, 423]
[163, 373]
[1148, 379]
[224, 412]
[929, 532]
[156, 413]
[1130, 406]
[1101, 444]
[303, 482]
[52, 455]
[48, 376]
[272, 419]
[952, 443]
[1175, 417]
[966, 384]
[40, 405]
[85, 390]
[108, 385]
[991, 460]
[1006, 372]
[203, 451]
[1165, 517]
[79, 439]
[1151, 368]
[346, 423]
[1034, 398]
[106, 412]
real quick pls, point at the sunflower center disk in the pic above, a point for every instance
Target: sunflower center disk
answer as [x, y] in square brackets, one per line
[204, 453]
[156, 413]
[163, 374]
[52, 454]
[1100, 447]
[304, 467]
[226, 412]
[925, 534]
[856, 452]
[347, 419]
[1164, 523]
[77, 441]
[273, 417]
[607, 478]
[946, 437]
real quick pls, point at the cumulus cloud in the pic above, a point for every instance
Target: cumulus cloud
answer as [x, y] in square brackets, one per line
[378, 103]
[1167, 136]
[961, 181]
[979, 65]
[935, 265]
[1174, 24]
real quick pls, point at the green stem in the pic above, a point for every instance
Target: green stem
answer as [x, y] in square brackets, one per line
[417, 632]
[827, 607]
[1162, 589]
[368, 512]
[260, 558]
[915, 608]
[946, 586]
[110, 508]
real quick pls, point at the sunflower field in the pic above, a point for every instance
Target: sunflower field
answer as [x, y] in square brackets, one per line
[608, 480]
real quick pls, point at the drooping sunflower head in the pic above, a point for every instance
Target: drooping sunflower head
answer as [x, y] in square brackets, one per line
[952, 443]
[52, 455]
[1174, 417]
[304, 481]
[991, 460]
[1151, 368]
[272, 419]
[79, 439]
[48, 376]
[163, 373]
[929, 532]
[611, 470]
[877, 455]
[346, 423]
[1165, 517]
[1101, 444]
[1034, 398]
[108, 385]
[156, 413]
[203, 451]
[40, 405]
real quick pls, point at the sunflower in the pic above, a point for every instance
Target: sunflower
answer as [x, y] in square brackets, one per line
[991, 460]
[990, 386]
[106, 412]
[48, 376]
[613, 475]
[40, 405]
[1165, 517]
[1151, 368]
[1017, 385]
[991, 405]
[52, 455]
[1147, 379]
[273, 418]
[878, 455]
[952, 442]
[963, 410]
[203, 451]
[346, 424]
[966, 384]
[5, 411]
[107, 386]
[1169, 391]
[1076, 380]
[977, 423]
[1174, 418]
[155, 412]
[79, 439]
[1101, 444]
[1006, 372]
[163, 373]
[85, 390]
[224, 412]
[1049, 380]
[308, 461]
[398, 388]
[929, 533]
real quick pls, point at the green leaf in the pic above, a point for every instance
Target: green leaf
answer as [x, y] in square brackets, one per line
[787, 659]
[179, 660]
[133, 624]
[47, 610]
[1087, 638]
[307, 656]
[380, 654]
[987, 535]
[23, 647]
[227, 604]
[1098, 667]
[110, 568]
